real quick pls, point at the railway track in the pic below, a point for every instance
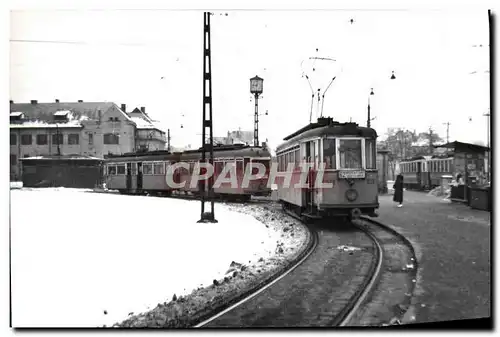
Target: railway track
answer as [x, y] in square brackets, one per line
[330, 286]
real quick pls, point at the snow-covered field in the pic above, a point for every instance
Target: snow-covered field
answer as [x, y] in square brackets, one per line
[83, 259]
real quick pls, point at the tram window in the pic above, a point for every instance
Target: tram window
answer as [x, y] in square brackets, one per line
[350, 153]
[111, 170]
[218, 167]
[239, 165]
[120, 169]
[158, 168]
[329, 153]
[133, 169]
[370, 154]
[147, 168]
[297, 158]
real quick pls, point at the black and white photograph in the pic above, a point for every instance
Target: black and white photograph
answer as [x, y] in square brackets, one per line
[176, 168]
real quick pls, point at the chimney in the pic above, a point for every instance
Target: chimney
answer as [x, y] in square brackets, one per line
[11, 102]
[57, 101]
[124, 107]
[34, 101]
[80, 101]
[143, 109]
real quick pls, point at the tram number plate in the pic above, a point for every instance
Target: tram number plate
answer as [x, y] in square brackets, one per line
[351, 174]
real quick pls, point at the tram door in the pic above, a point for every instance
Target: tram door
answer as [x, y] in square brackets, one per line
[307, 195]
[419, 174]
[139, 176]
[129, 176]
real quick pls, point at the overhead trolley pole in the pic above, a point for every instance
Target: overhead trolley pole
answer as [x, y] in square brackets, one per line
[206, 189]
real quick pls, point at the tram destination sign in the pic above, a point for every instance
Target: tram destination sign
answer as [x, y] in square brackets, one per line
[352, 174]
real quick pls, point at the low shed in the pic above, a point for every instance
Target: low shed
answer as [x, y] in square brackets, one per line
[75, 171]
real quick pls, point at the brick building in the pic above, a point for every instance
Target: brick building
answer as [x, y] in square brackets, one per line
[84, 128]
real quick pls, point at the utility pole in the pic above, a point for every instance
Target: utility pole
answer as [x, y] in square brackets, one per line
[430, 140]
[168, 140]
[207, 122]
[447, 131]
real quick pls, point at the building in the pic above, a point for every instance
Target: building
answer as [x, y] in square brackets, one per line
[61, 171]
[235, 137]
[78, 128]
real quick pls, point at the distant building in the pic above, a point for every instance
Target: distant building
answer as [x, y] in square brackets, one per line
[78, 128]
[235, 137]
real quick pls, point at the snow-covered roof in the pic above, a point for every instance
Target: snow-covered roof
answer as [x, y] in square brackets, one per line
[42, 124]
[142, 123]
[65, 157]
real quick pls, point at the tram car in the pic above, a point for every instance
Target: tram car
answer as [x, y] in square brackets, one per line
[239, 156]
[344, 155]
[139, 173]
[425, 172]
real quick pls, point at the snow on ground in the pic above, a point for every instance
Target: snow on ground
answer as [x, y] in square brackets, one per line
[83, 259]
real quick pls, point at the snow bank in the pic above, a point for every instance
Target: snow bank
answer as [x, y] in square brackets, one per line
[90, 259]
[16, 184]
[239, 279]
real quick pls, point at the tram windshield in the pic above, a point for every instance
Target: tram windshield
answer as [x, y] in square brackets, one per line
[350, 153]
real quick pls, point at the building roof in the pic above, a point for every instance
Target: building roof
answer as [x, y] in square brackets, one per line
[45, 111]
[142, 123]
[43, 124]
[62, 157]
[40, 114]
[463, 147]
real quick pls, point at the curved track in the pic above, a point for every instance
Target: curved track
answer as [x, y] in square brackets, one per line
[327, 287]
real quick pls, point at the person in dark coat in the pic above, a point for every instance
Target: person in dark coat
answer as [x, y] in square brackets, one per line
[398, 190]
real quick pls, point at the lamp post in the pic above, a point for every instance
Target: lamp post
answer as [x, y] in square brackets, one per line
[256, 88]
[369, 119]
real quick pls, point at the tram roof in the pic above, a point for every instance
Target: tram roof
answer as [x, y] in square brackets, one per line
[327, 126]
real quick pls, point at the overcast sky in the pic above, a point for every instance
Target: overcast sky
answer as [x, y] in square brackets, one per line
[122, 56]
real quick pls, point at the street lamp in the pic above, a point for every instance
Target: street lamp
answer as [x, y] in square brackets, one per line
[256, 88]
[368, 121]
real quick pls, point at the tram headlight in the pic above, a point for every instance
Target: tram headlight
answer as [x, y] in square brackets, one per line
[351, 194]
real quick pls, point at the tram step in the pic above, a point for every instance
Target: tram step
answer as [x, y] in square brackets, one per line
[311, 216]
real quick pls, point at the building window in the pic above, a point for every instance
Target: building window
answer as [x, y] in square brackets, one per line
[73, 139]
[41, 139]
[13, 160]
[13, 139]
[91, 139]
[147, 168]
[26, 140]
[57, 139]
[111, 138]
[350, 153]
[120, 169]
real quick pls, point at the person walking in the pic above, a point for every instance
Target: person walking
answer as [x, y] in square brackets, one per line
[398, 190]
